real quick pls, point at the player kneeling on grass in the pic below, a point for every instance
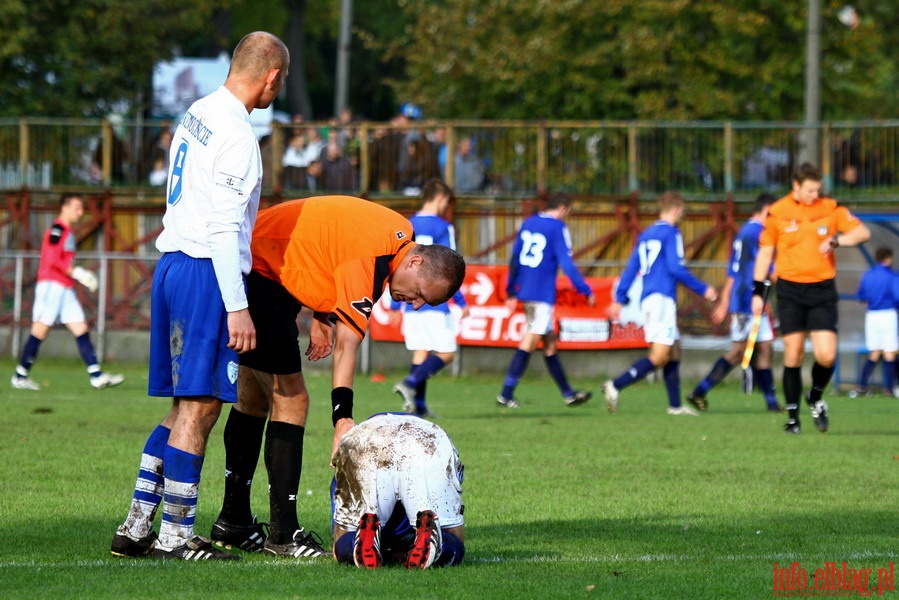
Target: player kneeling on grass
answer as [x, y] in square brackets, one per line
[393, 470]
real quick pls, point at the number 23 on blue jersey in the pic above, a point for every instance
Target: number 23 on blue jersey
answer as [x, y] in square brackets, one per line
[532, 246]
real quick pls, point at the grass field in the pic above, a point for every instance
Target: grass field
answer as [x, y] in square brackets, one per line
[560, 502]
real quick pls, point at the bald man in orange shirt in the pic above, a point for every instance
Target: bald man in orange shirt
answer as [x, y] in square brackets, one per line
[335, 255]
[801, 232]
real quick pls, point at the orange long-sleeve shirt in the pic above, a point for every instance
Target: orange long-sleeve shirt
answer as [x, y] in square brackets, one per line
[796, 230]
[332, 253]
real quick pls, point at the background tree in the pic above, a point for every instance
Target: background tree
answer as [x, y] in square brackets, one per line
[647, 59]
[90, 57]
[517, 59]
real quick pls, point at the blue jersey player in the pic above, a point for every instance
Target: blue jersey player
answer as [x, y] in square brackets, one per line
[430, 332]
[543, 245]
[876, 290]
[659, 258]
[736, 298]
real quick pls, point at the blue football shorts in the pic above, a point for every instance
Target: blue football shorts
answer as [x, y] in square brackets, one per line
[189, 354]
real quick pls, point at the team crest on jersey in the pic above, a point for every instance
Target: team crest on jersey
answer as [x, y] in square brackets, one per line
[364, 307]
[232, 371]
[822, 230]
[400, 235]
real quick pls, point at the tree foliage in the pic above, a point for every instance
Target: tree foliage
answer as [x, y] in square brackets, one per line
[646, 59]
[76, 58]
[514, 59]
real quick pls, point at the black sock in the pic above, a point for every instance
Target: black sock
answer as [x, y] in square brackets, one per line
[792, 382]
[820, 378]
[243, 442]
[284, 462]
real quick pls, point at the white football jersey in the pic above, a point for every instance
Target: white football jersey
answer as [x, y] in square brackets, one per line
[214, 184]
[393, 457]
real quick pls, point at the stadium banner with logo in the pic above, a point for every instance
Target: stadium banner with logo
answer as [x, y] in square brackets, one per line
[491, 323]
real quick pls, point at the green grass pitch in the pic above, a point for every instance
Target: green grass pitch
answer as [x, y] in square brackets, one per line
[560, 502]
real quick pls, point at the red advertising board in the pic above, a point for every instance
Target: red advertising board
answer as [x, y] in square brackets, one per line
[491, 323]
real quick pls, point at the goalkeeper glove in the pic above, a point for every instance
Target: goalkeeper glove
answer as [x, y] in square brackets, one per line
[86, 278]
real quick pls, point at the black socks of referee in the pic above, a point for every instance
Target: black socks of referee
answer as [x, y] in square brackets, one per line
[284, 462]
[243, 442]
[792, 384]
[820, 378]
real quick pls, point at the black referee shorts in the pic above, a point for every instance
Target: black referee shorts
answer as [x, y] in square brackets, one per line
[807, 306]
[274, 312]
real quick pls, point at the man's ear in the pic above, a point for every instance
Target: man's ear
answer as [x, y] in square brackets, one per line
[416, 260]
[272, 77]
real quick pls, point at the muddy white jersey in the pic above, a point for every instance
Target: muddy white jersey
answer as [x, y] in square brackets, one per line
[397, 458]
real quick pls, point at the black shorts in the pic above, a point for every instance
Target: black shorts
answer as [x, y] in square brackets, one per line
[807, 306]
[274, 312]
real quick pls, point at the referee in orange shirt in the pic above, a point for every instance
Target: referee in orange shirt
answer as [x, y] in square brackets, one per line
[801, 232]
[335, 256]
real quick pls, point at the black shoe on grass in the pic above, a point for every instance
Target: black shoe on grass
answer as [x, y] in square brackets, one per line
[125, 545]
[249, 538]
[196, 548]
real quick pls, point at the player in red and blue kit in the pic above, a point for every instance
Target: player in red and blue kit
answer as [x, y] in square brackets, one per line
[881, 331]
[543, 245]
[737, 298]
[659, 258]
[430, 332]
[55, 300]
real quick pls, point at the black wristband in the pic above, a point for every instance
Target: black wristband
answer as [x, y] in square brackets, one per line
[758, 288]
[341, 404]
[835, 241]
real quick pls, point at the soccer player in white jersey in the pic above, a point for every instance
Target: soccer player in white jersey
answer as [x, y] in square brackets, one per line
[200, 321]
[659, 258]
[393, 470]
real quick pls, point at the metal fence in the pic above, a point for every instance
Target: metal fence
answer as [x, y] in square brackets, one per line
[122, 301]
[506, 158]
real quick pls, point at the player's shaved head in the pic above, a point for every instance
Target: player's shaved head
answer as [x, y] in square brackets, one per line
[442, 264]
[257, 53]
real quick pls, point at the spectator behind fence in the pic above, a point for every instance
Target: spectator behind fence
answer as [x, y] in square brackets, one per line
[120, 158]
[159, 173]
[420, 164]
[382, 160]
[337, 172]
[315, 145]
[469, 174]
[294, 162]
[158, 163]
[306, 178]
